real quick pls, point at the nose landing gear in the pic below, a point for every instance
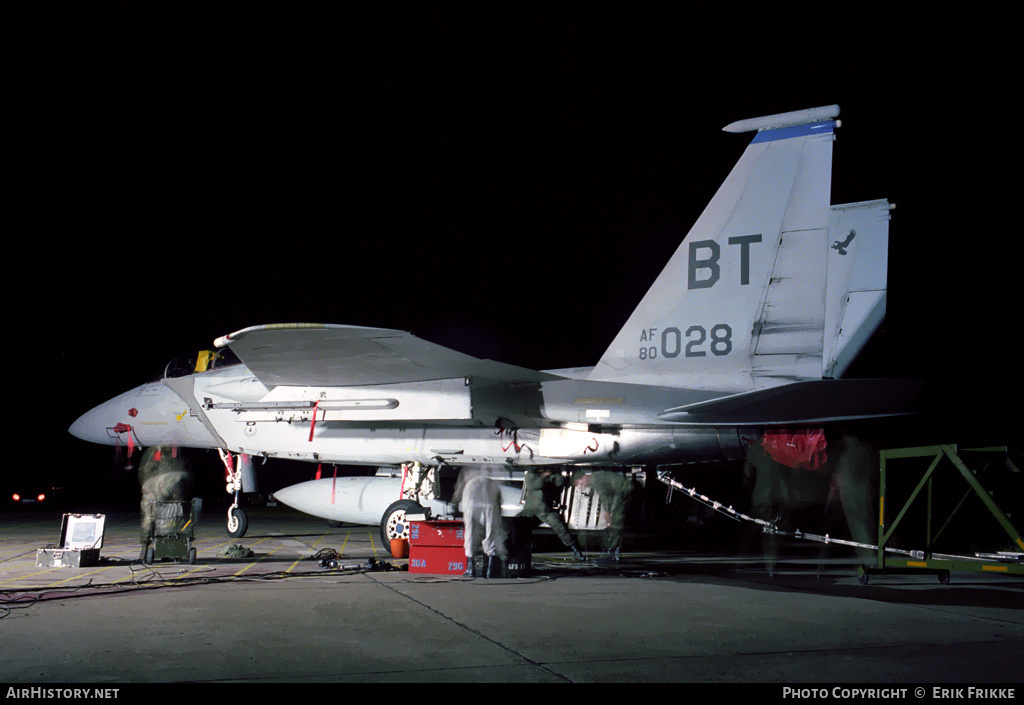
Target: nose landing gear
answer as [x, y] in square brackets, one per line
[237, 522]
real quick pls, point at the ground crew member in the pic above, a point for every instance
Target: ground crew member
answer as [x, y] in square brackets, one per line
[614, 489]
[164, 477]
[541, 491]
[763, 477]
[481, 514]
[856, 483]
[792, 495]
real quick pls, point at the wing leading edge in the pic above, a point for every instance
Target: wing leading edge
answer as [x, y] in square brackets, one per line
[339, 355]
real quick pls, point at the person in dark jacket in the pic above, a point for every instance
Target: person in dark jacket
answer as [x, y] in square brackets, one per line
[164, 477]
[541, 491]
[614, 488]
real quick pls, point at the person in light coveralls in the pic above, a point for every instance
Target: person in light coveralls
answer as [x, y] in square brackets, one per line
[484, 531]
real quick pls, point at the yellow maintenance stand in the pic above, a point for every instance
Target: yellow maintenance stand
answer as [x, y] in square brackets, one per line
[1000, 562]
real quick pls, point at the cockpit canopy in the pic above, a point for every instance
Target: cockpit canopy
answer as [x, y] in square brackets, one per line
[200, 362]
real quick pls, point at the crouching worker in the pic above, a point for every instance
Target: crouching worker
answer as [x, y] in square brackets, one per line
[484, 532]
[541, 491]
[164, 477]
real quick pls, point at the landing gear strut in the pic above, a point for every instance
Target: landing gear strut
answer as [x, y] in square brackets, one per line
[238, 522]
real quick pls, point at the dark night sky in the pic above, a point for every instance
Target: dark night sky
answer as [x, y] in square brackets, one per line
[504, 182]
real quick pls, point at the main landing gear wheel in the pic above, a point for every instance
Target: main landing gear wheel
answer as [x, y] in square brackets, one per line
[238, 523]
[393, 524]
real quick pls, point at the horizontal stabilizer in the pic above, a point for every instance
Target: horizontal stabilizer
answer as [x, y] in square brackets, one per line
[338, 355]
[804, 402]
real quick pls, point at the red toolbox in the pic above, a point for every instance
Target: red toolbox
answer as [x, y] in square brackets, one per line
[437, 547]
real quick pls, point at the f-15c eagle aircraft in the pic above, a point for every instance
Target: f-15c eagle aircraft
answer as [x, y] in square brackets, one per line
[750, 325]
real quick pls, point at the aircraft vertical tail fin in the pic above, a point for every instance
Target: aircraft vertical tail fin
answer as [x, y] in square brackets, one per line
[742, 304]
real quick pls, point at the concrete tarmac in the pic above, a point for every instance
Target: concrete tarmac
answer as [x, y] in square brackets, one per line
[659, 616]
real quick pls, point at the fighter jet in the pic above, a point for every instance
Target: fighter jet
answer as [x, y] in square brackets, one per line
[751, 325]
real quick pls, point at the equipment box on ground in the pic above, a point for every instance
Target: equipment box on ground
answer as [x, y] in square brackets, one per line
[437, 547]
[81, 538]
[173, 532]
[436, 533]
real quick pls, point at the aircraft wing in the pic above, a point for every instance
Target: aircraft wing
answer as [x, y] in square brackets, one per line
[815, 401]
[317, 354]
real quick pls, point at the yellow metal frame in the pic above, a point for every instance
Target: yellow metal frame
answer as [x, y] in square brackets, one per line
[927, 563]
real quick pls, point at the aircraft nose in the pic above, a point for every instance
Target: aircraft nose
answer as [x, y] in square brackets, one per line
[103, 423]
[92, 427]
